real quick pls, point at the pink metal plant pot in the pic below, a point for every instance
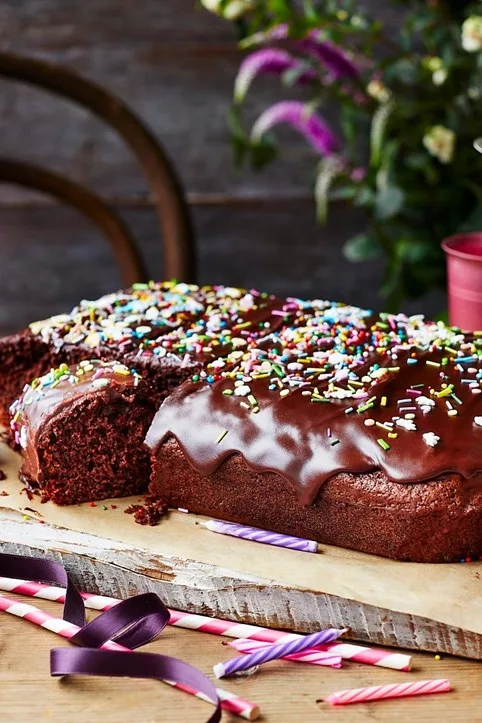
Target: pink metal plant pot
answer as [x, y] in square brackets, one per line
[464, 270]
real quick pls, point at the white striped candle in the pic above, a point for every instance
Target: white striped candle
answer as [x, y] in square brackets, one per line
[255, 534]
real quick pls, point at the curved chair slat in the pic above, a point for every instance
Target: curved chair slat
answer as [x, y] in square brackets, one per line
[178, 237]
[127, 255]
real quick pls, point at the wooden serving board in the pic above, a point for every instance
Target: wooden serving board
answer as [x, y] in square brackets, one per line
[435, 608]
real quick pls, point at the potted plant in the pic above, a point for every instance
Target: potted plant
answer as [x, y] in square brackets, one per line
[408, 107]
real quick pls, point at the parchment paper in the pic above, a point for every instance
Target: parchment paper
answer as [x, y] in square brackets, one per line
[450, 594]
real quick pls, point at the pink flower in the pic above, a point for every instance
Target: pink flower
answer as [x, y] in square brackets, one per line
[330, 55]
[358, 174]
[270, 60]
[301, 117]
[278, 32]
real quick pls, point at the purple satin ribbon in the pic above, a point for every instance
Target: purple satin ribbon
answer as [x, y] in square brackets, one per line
[132, 623]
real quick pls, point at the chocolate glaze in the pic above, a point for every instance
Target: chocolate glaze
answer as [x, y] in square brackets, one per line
[308, 442]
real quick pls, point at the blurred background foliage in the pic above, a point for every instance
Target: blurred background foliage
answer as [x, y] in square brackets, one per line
[391, 116]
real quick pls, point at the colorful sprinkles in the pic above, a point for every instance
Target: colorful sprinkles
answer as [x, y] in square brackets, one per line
[262, 348]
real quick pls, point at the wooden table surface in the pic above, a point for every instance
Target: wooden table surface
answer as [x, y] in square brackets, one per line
[286, 692]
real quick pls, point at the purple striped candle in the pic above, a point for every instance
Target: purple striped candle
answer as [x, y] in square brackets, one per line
[230, 667]
[314, 656]
[257, 535]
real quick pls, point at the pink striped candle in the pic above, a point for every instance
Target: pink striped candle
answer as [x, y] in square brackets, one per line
[273, 652]
[215, 626]
[230, 702]
[313, 655]
[257, 535]
[382, 692]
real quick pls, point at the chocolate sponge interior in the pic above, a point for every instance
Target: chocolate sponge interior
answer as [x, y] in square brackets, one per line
[93, 451]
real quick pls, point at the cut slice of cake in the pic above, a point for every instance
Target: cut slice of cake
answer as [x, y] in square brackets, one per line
[81, 432]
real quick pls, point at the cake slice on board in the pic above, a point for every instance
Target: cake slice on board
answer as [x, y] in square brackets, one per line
[81, 431]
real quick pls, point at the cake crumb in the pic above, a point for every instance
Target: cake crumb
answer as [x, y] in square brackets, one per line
[2, 475]
[150, 513]
[27, 492]
[3, 493]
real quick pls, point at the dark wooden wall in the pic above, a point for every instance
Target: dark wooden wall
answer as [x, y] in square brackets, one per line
[175, 64]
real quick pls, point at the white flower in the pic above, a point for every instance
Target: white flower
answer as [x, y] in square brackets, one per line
[229, 9]
[436, 66]
[406, 424]
[440, 143]
[440, 76]
[431, 439]
[378, 90]
[242, 391]
[425, 401]
[472, 34]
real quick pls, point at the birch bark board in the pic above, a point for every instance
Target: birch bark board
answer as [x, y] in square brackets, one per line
[424, 607]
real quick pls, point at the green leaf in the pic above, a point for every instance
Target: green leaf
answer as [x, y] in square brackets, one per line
[403, 70]
[263, 152]
[415, 251]
[417, 161]
[239, 138]
[365, 197]
[415, 281]
[328, 170]
[473, 222]
[389, 202]
[343, 193]
[362, 247]
[240, 151]
[442, 315]
[391, 288]
[379, 126]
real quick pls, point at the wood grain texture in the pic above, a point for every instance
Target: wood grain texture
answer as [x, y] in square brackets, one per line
[166, 65]
[285, 691]
[100, 565]
[50, 257]
[174, 64]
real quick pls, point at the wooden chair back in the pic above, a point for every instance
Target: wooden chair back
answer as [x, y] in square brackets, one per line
[161, 177]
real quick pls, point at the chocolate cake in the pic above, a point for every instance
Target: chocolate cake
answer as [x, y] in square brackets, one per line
[305, 417]
[81, 432]
[354, 430]
[166, 330]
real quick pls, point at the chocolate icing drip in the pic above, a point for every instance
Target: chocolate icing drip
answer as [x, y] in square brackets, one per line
[306, 389]
[420, 422]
